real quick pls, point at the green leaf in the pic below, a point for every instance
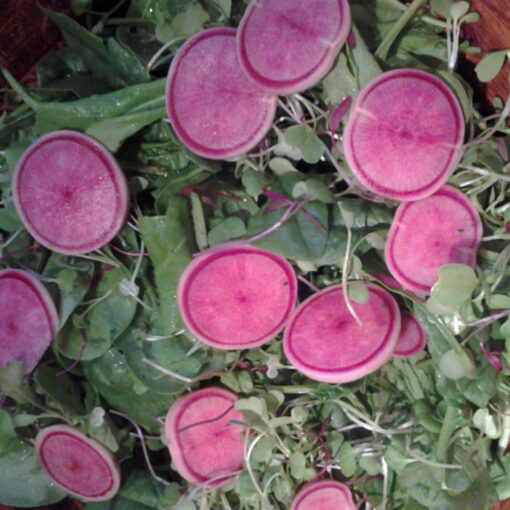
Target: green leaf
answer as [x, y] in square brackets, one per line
[11, 377]
[358, 292]
[347, 460]
[141, 488]
[230, 228]
[442, 7]
[499, 302]
[458, 9]
[490, 65]
[297, 463]
[180, 20]
[304, 139]
[454, 367]
[7, 432]
[262, 451]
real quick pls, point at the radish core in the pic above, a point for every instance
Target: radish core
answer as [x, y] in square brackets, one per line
[324, 341]
[79, 465]
[286, 46]
[441, 229]
[404, 136]
[324, 495]
[412, 338]
[28, 319]
[70, 193]
[237, 298]
[206, 449]
[213, 108]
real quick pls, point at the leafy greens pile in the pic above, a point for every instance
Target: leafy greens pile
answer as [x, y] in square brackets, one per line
[428, 432]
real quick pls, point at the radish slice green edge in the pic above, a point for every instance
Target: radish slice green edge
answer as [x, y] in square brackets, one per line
[23, 298]
[323, 340]
[404, 136]
[237, 298]
[214, 109]
[273, 60]
[444, 228]
[78, 464]
[70, 193]
[205, 448]
[412, 338]
[324, 495]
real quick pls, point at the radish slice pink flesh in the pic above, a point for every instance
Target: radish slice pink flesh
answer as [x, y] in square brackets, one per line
[237, 298]
[412, 338]
[79, 465]
[70, 193]
[28, 319]
[213, 108]
[324, 495]
[404, 136]
[286, 46]
[206, 449]
[441, 229]
[324, 341]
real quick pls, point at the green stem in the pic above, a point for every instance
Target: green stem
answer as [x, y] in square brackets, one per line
[449, 425]
[20, 90]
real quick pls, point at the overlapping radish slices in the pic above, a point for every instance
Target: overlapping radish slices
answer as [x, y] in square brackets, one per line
[412, 339]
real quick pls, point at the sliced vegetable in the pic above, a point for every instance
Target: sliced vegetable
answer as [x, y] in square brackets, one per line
[214, 109]
[412, 338]
[70, 193]
[324, 495]
[325, 342]
[404, 136]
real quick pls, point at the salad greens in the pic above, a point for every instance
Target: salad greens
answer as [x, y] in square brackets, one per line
[431, 431]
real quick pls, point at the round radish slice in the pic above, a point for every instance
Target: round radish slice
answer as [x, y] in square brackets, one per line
[206, 448]
[28, 319]
[213, 108]
[70, 193]
[79, 465]
[286, 46]
[237, 298]
[324, 495]
[441, 229]
[404, 136]
[412, 338]
[324, 341]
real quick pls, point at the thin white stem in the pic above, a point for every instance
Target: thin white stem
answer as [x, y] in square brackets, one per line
[12, 238]
[345, 269]
[167, 372]
[161, 50]
[486, 173]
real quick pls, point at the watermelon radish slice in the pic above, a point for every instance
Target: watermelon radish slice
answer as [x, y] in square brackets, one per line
[324, 495]
[79, 465]
[213, 108]
[324, 341]
[286, 46]
[70, 193]
[237, 298]
[28, 319]
[404, 136]
[203, 444]
[412, 339]
[441, 229]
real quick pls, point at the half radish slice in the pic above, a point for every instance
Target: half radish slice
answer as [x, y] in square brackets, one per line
[404, 136]
[213, 108]
[237, 298]
[324, 341]
[324, 495]
[28, 319]
[441, 229]
[70, 193]
[286, 46]
[79, 465]
[412, 338]
[206, 448]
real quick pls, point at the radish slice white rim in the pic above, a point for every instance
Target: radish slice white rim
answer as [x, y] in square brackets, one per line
[286, 46]
[324, 495]
[412, 339]
[444, 228]
[214, 109]
[237, 298]
[70, 193]
[28, 318]
[81, 466]
[324, 341]
[205, 447]
[404, 136]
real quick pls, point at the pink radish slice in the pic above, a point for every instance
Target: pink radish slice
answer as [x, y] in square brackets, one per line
[237, 298]
[79, 465]
[286, 46]
[206, 449]
[324, 341]
[70, 193]
[441, 229]
[324, 495]
[404, 136]
[28, 319]
[412, 338]
[213, 108]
